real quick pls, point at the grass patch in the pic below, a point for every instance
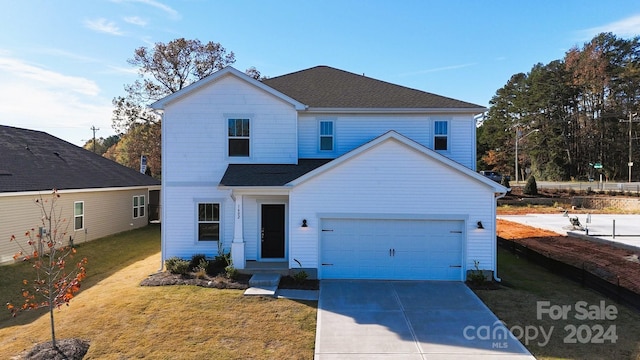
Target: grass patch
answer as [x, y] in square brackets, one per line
[106, 256]
[123, 320]
[515, 303]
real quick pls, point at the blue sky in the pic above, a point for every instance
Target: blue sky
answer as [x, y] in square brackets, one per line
[62, 62]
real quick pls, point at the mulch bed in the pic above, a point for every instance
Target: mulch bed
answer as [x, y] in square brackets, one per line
[165, 278]
[66, 349]
[240, 282]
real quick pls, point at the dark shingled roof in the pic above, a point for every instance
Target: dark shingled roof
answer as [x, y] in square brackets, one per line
[327, 87]
[268, 174]
[36, 161]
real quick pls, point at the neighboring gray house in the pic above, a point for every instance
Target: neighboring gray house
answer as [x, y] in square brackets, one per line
[98, 197]
[343, 175]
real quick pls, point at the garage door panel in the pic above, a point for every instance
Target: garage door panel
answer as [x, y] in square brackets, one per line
[391, 249]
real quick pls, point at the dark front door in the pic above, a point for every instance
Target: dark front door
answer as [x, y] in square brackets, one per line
[272, 232]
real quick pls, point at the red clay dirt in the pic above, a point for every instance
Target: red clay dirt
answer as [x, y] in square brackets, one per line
[606, 261]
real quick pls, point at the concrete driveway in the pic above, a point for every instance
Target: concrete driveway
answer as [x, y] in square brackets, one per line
[359, 319]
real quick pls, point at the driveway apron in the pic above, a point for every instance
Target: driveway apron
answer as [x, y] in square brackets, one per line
[361, 319]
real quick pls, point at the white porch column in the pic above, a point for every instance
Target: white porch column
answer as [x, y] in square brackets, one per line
[237, 246]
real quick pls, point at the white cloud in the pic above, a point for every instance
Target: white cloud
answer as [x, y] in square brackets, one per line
[103, 25]
[136, 20]
[46, 78]
[40, 99]
[123, 70]
[173, 14]
[627, 27]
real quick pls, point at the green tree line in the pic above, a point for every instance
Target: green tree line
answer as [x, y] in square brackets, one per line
[569, 116]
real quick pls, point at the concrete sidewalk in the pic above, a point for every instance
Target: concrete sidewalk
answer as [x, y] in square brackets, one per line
[597, 227]
[408, 320]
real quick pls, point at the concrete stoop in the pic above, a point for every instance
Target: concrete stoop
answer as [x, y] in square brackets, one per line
[263, 284]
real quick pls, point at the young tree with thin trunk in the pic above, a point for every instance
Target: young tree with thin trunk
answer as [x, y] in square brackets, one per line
[56, 277]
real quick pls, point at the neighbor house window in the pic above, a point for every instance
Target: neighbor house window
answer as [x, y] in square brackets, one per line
[239, 137]
[326, 135]
[441, 135]
[208, 222]
[78, 215]
[138, 206]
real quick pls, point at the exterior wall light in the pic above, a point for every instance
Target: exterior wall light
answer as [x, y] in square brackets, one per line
[304, 223]
[480, 226]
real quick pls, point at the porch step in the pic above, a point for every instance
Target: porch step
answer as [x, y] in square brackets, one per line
[263, 284]
[264, 280]
[261, 291]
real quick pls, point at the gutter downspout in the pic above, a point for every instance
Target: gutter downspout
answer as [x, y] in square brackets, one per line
[495, 243]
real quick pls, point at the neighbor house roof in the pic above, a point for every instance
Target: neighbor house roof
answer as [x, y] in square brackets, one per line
[268, 174]
[327, 87]
[36, 161]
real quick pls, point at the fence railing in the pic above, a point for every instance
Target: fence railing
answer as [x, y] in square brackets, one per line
[584, 275]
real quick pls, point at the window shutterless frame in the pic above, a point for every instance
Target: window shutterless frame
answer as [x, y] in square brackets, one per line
[138, 206]
[441, 135]
[78, 215]
[208, 221]
[326, 135]
[239, 139]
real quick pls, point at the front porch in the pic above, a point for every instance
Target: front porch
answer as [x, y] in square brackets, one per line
[271, 267]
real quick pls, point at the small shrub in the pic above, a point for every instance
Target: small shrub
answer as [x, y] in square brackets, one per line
[221, 261]
[477, 276]
[300, 276]
[195, 261]
[531, 187]
[201, 269]
[231, 272]
[176, 265]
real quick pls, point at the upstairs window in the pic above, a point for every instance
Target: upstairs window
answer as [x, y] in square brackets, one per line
[441, 135]
[239, 137]
[208, 222]
[326, 135]
[138, 206]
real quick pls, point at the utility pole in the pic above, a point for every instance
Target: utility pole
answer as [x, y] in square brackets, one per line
[518, 137]
[630, 121]
[94, 137]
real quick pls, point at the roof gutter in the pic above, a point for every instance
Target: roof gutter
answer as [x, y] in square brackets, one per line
[327, 110]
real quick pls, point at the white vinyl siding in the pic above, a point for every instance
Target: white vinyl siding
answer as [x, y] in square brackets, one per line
[138, 206]
[354, 130]
[420, 193]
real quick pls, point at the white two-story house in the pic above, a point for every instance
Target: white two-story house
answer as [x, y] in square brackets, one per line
[336, 173]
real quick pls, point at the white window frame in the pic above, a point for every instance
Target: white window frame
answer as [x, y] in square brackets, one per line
[241, 137]
[139, 206]
[78, 216]
[332, 135]
[198, 221]
[445, 135]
